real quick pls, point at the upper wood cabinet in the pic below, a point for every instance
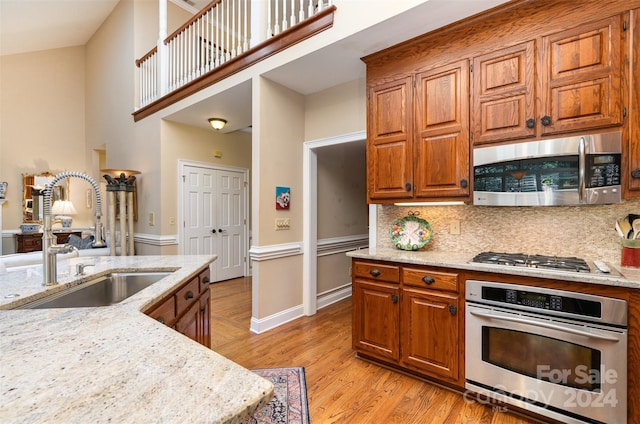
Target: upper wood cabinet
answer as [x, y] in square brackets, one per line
[442, 132]
[418, 139]
[389, 140]
[578, 84]
[503, 94]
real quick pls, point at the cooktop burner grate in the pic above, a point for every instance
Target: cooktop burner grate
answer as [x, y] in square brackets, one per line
[534, 261]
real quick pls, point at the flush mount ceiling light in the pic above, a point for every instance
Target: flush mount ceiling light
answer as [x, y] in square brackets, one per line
[217, 123]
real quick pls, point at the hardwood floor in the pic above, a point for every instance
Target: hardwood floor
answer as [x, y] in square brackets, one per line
[341, 388]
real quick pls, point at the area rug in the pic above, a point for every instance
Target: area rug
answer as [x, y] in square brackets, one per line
[289, 404]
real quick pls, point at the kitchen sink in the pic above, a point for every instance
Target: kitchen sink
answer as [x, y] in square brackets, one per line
[103, 291]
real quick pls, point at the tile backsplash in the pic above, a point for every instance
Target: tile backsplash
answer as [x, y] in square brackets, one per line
[583, 231]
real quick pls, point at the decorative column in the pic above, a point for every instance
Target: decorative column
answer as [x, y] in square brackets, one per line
[120, 194]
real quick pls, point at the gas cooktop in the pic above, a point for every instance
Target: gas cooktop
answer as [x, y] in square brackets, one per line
[558, 263]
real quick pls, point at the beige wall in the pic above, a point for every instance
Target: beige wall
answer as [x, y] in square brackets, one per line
[42, 125]
[336, 111]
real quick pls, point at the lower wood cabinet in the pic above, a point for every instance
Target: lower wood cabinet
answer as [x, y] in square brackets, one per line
[187, 309]
[409, 317]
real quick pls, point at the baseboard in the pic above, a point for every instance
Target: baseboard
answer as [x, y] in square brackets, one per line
[268, 323]
[326, 299]
[265, 324]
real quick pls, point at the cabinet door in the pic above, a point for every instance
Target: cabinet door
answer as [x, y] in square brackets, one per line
[581, 77]
[430, 332]
[188, 323]
[442, 140]
[204, 332]
[389, 141]
[376, 319]
[503, 96]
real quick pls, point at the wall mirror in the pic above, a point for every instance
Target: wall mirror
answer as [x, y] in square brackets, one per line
[33, 195]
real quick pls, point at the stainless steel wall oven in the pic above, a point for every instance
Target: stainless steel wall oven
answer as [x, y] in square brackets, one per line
[557, 353]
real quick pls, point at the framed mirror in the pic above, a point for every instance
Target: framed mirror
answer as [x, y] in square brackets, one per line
[33, 195]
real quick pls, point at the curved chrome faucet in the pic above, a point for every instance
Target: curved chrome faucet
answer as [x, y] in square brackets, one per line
[49, 248]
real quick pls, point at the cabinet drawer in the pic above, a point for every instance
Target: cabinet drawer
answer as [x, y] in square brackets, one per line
[379, 272]
[187, 295]
[166, 312]
[205, 280]
[426, 278]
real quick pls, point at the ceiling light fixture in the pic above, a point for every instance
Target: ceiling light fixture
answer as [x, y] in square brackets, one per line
[217, 123]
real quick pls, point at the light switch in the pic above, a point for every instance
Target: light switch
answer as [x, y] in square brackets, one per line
[152, 219]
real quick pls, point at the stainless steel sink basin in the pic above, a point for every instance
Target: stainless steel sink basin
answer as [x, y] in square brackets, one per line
[103, 291]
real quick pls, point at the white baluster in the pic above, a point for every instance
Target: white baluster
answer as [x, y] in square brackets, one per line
[233, 27]
[269, 32]
[301, 16]
[293, 12]
[285, 24]
[245, 44]
[276, 20]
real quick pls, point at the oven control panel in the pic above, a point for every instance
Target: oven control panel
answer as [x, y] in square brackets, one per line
[533, 300]
[541, 300]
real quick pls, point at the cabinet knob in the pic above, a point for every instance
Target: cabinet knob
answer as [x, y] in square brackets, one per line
[407, 186]
[635, 173]
[189, 295]
[546, 120]
[453, 310]
[161, 320]
[531, 123]
[203, 309]
[205, 280]
[375, 272]
[394, 298]
[463, 183]
[427, 279]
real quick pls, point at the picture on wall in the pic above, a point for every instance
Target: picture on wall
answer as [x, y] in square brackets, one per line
[283, 197]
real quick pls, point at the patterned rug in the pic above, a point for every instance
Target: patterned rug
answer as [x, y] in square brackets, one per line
[289, 404]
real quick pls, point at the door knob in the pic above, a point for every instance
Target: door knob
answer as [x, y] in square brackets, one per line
[219, 230]
[213, 231]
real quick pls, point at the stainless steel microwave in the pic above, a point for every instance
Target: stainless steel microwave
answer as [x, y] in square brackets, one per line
[578, 170]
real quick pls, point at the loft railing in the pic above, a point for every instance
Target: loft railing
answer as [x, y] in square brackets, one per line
[222, 31]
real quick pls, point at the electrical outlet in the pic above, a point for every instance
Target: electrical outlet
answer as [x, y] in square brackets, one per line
[282, 223]
[454, 227]
[172, 220]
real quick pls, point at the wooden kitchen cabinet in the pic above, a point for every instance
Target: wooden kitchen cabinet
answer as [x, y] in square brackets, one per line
[390, 140]
[418, 142]
[409, 317]
[187, 309]
[578, 86]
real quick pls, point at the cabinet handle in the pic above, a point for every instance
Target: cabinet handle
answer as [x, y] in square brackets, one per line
[205, 280]
[189, 295]
[453, 310]
[394, 298]
[427, 279]
[463, 183]
[161, 320]
[407, 186]
[375, 272]
[546, 120]
[203, 309]
[635, 173]
[531, 123]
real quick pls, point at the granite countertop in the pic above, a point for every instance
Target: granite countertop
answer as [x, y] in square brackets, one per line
[619, 276]
[114, 363]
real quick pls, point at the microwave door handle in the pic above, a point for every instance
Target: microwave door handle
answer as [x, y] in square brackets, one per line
[582, 165]
[545, 325]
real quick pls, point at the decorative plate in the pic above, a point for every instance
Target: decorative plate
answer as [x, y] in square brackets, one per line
[410, 232]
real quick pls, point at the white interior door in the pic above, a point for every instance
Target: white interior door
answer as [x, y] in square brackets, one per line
[214, 217]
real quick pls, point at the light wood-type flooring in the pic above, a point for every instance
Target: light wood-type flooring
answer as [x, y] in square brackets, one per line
[341, 388]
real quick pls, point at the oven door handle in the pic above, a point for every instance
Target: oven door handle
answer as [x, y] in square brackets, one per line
[546, 325]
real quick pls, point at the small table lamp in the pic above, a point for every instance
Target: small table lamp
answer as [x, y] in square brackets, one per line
[61, 209]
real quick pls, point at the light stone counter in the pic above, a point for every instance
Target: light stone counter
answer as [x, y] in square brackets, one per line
[620, 276]
[114, 363]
